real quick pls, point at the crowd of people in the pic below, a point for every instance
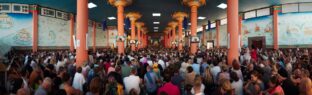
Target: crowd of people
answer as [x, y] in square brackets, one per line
[160, 71]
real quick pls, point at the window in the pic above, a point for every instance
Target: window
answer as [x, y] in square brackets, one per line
[287, 8]
[263, 12]
[47, 12]
[250, 14]
[62, 15]
[5, 8]
[20, 8]
[305, 7]
[223, 21]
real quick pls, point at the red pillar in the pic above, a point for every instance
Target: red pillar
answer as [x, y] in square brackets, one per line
[35, 29]
[71, 29]
[133, 34]
[94, 37]
[232, 27]
[275, 27]
[204, 35]
[120, 29]
[217, 34]
[193, 28]
[82, 28]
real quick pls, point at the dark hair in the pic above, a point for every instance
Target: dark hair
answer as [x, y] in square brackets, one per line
[274, 80]
[234, 76]
[66, 77]
[79, 69]
[189, 69]
[256, 73]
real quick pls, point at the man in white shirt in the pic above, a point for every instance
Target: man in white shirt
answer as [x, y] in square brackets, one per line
[215, 70]
[132, 82]
[162, 63]
[79, 80]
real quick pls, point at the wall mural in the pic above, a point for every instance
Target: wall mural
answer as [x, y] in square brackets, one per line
[53, 32]
[260, 26]
[295, 31]
[16, 29]
[223, 36]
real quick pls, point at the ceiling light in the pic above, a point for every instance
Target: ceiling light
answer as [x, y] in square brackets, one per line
[111, 18]
[155, 27]
[201, 18]
[222, 6]
[91, 5]
[156, 14]
[155, 22]
[189, 23]
[155, 30]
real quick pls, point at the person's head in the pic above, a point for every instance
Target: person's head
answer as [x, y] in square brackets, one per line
[65, 77]
[305, 73]
[189, 69]
[225, 85]
[95, 85]
[133, 92]
[273, 82]
[133, 71]
[148, 68]
[234, 76]
[198, 81]
[79, 70]
[163, 93]
[255, 75]
[47, 84]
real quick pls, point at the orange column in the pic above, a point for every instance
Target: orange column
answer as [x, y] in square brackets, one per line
[120, 29]
[275, 27]
[232, 27]
[35, 29]
[204, 35]
[180, 26]
[193, 28]
[139, 37]
[71, 29]
[82, 28]
[170, 39]
[133, 34]
[240, 31]
[217, 34]
[94, 36]
[173, 36]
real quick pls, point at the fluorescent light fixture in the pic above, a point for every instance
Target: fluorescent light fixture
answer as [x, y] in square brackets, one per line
[91, 5]
[155, 27]
[155, 30]
[222, 6]
[189, 23]
[155, 22]
[201, 18]
[156, 14]
[111, 18]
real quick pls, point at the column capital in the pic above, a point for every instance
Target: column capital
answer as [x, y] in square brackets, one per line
[179, 16]
[117, 3]
[173, 24]
[133, 16]
[139, 24]
[196, 3]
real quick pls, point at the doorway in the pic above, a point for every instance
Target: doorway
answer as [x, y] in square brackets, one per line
[210, 44]
[257, 42]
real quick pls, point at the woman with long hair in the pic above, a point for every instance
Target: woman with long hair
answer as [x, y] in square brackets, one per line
[198, 87]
